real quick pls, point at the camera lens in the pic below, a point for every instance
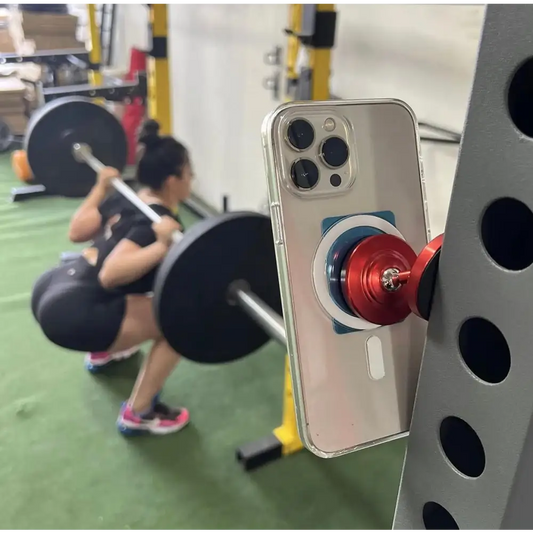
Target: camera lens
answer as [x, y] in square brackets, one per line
[334, 152]
[335, 180]
[304, 174]
[300, 134]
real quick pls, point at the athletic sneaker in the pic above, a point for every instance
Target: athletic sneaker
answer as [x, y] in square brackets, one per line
[97, 361]
[160, 420]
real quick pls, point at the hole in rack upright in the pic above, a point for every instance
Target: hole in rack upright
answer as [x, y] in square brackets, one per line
[507, 233]
[484, 350]
[462, 446]
[519, 98]
[435, 516]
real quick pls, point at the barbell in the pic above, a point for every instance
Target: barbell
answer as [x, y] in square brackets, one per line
[222, 272]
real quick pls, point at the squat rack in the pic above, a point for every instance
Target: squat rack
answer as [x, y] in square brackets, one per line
[469, 460]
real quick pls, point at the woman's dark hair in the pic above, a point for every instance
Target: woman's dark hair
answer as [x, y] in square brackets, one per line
[163, 156]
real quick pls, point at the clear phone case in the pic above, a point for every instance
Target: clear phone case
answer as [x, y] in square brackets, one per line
[346, 397]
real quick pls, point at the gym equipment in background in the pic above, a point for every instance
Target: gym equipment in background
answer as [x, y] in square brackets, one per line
[81, 121]
[135, 90]
[313, 27]
[53, 130]
[109, 89]
[125, 92]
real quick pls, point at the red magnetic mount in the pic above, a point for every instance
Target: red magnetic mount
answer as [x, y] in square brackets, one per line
[388, 300]
[362, 279]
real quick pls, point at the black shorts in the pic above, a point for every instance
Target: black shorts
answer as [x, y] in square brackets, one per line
[74, 311]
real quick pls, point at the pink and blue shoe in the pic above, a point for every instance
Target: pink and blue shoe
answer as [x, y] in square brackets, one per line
[159, 420]
[96, 362]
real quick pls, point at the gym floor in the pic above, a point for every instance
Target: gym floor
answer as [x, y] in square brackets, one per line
[64, 466]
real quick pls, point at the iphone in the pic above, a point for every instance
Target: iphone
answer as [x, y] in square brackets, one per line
[338, 172]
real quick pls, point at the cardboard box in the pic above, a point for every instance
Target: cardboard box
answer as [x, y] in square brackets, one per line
[33, 32]
[12, 104]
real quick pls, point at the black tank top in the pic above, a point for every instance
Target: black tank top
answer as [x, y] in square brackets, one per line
[120, 220]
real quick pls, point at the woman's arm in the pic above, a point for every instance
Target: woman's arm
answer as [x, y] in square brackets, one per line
[87, 220]
[129, 262]
[143, 248]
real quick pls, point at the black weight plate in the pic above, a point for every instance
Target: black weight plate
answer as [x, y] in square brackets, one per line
[53, 130]
[191, 288]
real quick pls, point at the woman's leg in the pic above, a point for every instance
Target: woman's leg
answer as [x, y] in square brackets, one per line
[157, 367]
[138, 326]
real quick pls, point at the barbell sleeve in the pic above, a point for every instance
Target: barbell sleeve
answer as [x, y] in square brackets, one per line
[261, 313]
[83, 153]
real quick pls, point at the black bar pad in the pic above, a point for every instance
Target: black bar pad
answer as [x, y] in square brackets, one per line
[159, 48]
[325, 27]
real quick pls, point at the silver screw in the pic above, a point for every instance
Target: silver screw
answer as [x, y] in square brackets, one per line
[389, 279]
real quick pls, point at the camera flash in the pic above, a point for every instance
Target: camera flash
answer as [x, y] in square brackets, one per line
[329, 124]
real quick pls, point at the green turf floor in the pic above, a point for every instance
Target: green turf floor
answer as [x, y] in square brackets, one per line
[63, 465]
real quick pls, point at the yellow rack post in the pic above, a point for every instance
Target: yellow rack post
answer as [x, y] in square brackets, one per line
[159, 106]
[293, 47]
[95, 51]
[287, 433]
[320, 51]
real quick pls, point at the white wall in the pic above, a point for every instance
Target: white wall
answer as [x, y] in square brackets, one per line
[131, 31]
[217, 71]
[424, 55]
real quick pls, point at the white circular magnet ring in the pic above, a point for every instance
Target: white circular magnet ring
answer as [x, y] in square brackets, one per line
[320, 280]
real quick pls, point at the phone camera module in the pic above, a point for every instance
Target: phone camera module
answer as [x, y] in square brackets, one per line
[300, 134]
[334, 152]
[304, 174]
